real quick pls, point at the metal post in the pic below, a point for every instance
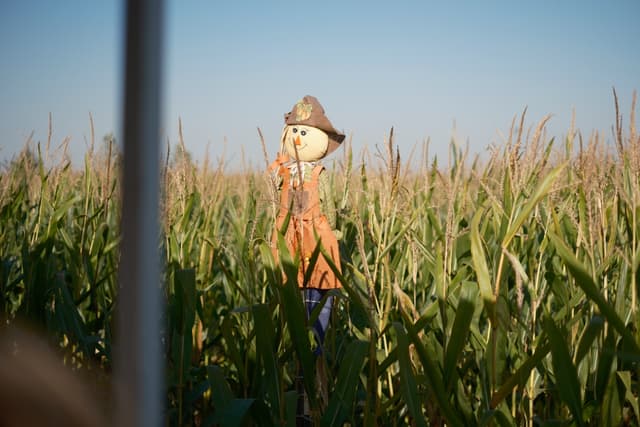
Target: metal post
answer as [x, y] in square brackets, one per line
[138, 353]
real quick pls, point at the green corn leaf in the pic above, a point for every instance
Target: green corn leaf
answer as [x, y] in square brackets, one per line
[391, 358]
[313, 259]
[408, 386]
[605, 365]
[611, 415]
[585, 282]
[398, 235]
[196, 392]
[501, 415]
[434, 378]
[187, 213]
[235, 414]
[233, 349]
[459, 332]
[566, 380]
[291, 403]
[507, 195]
[624, 378]
[480, 266]
[221, 394]
[173, 255]
[295, 315]
[265, 348]
[636, 260]
[233, 280]
[438, 274]
[64, 209]
[185, 288]
[517, 266]
[292, 309]
[520, 376]
[288, 261]
[269, 263]
[360, 303]
[588, 336]
[73, 323]
[497, 353]
[343, 397]
[228, 411]
[540, 192]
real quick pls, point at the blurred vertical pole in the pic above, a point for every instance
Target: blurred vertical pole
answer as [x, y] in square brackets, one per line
[138, 353]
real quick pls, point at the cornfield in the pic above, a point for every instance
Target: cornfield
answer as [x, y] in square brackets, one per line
[495, 290]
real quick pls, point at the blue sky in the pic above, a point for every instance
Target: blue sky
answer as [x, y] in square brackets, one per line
[233, 66]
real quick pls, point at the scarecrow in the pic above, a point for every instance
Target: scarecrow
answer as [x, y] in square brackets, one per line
[307, 211]
[306, 203]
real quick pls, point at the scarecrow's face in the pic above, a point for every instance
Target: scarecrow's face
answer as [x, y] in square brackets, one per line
[311, 143]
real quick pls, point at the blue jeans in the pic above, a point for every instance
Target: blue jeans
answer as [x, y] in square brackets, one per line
[312, 298]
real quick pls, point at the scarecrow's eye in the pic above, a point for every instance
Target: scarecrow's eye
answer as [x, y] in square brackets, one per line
[303, 132]
[295, 130]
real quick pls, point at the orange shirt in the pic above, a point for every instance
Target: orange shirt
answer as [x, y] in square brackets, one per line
[307, 227]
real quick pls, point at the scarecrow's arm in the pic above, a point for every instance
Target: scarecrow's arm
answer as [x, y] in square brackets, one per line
[274, 170]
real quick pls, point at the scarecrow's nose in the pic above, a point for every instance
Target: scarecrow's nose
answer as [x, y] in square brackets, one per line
[297, 140]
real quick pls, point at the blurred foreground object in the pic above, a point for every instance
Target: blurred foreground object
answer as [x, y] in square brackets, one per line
[36, 389]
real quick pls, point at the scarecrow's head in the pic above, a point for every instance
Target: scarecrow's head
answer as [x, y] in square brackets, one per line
[308, 134]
